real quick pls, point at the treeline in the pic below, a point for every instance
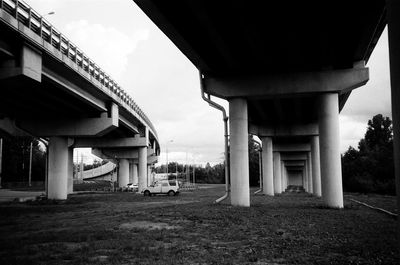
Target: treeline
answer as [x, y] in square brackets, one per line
[214, 174]
[16, 158]
[370, 167]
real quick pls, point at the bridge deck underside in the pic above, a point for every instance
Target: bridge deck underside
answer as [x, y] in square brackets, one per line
[226, 37]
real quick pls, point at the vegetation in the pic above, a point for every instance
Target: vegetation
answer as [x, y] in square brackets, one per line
[124, 228]
[370, 168]
[214, 174]
[16, 156]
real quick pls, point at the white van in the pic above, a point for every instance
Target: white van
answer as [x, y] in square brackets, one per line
[170, 187]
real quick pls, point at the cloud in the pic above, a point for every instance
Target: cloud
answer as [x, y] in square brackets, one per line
[374, 97]
[108, 45]
[351, 131]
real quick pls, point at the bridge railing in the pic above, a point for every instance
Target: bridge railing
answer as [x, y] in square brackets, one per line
[35, 22]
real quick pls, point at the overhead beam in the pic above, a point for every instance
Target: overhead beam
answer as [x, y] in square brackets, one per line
[78, 127]
[287, 84]
[290, 157]
[284, 130]
[110, 143]
[292, 147]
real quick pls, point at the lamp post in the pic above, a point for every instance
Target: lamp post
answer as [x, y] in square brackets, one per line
[48, 14]
[166, 148]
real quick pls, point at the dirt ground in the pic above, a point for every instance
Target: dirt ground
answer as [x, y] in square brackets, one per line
[126, 228]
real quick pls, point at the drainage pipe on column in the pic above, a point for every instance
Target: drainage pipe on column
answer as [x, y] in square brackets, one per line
[259, 164]
[225, 119]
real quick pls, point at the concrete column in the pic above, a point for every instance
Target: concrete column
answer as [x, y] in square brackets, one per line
[305, 180]
[309, 175]
[58, 168]
[130, 172]
[277, 173]
[148, 175]
[142, 168]
[283, 176]
[268, 166]
[135, 173]
[393, 11]
[239, 152]
[70, 170]
[331, 169]
[316, 169]
[123, 173]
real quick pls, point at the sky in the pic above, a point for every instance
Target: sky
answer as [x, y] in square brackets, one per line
[126, 44]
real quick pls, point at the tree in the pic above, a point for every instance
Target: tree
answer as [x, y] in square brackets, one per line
[371, 168]
[16, 152]
[254, 168]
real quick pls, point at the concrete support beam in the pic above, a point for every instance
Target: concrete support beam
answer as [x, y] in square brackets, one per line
[292, 148]
[393, 11]
[123, 173]
[111, 143]
[331, 169]
[305, 179]
[73, 127]
[277, 173]
[142, 168]
[8, 126]
[135, 179]
[30, 65]
[239, 156]
[284, 177]
[70, 170]
[149, 181]
[130, 172]
[267, 166]
[316, 168]
[294, 163]
[293, 157]
[284, 84]
[58, 168]
[118, 153]
[284, 131]
[309, 175]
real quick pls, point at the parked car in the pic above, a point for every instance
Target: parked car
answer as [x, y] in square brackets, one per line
[169, 187]
[132, 187]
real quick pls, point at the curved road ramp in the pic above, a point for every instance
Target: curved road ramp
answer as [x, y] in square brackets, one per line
[51, 89]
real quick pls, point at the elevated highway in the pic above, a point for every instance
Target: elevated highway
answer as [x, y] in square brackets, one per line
[51, 89]
[286, 68]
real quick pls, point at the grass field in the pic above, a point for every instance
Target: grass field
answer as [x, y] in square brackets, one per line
[125, 228]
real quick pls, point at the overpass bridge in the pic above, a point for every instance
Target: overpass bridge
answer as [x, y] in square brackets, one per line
[286, 68]
[49, 88]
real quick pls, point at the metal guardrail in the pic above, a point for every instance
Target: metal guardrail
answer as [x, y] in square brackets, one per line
[35, 22]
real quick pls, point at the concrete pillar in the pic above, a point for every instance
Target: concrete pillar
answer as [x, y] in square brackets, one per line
[130, 172]
[309, 175]
[148, 175]
[268, 166]
[393, 11]
[123, 173]
[239, 152]
[58, 168]
[70, 170]
[316, 169]
[283, 176]
[135, 173]
[331, 169]
[277, 173]
[305, 180]
[142, 168]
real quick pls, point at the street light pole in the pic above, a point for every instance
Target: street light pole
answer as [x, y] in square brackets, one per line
[30, 165]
